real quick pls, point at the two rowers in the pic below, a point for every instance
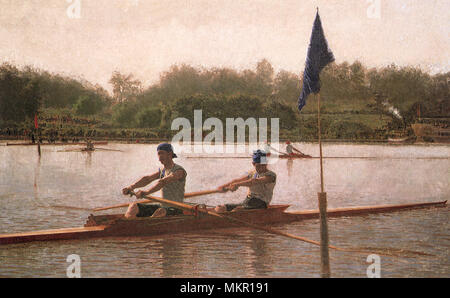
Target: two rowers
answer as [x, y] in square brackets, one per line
[171, 179]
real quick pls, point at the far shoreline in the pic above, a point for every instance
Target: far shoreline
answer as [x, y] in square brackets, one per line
[137, 141]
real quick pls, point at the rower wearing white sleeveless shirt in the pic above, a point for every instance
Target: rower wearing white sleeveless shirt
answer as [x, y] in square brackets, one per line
[260, 181]
[262, 191]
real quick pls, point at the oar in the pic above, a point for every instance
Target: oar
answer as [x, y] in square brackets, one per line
[186, 195]
[200, 193]
[69, 150]
[279, 151]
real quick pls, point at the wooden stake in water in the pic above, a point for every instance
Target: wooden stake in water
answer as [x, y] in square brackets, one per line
[322, 196]
[36, 127]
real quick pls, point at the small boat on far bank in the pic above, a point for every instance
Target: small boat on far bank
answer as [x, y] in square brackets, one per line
[401, 140]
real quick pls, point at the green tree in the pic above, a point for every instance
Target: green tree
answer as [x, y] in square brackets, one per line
[180, 81]
[149, 118]
[402, 86]
[20, 95]
[287, 87]
[287, 116]
[264, 78]
[124, 114]
[125, 87]
[223, 81]
[88, 105]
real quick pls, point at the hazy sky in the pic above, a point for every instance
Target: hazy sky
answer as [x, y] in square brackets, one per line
[146, 37]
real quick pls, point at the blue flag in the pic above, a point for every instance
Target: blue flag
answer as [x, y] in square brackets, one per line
[319, 55]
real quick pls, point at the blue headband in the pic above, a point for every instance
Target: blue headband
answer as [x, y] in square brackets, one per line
[259, 156]
[166, 147]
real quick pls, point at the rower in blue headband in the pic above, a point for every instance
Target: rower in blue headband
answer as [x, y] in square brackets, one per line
[260, 182]
[259, 156]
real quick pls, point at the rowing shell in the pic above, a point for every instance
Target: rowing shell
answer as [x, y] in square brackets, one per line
[89, 150]
[55, 144]
[294, 156]
[115, 225]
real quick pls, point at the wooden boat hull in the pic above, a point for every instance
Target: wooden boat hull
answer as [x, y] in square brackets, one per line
[56, 234]
[116, 225]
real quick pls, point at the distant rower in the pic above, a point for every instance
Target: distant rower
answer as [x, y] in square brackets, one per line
[290, 151]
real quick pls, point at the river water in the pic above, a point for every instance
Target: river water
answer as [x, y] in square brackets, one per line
[57, 189]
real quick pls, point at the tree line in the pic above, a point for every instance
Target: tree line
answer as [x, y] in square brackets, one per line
[224, 92]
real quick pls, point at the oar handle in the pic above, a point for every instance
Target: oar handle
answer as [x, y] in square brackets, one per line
[190, 194]
[132, 193]
[200, 193]
[119, 206]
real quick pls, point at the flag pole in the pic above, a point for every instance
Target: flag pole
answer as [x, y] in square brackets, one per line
[320, 142]
[319, 55]
[36, 127]
[322, 196]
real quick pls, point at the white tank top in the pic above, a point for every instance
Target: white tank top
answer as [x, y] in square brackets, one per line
[262, 191]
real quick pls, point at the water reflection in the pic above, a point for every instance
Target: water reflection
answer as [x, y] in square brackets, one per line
[289, 164]
[88, 158]
[259, 253]
[172, 256]
[37, 170]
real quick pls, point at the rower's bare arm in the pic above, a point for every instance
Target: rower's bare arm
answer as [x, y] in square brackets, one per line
[177, 175]
[255, 181]
[226, 186]
[141, 183]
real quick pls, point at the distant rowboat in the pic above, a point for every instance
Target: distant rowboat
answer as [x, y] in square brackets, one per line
[99, 226]
[400, 140]
[55, 144]
[89, 150]
[294, 156]
[291, 156]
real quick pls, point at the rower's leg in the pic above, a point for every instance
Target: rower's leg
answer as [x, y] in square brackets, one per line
[237, 208]
[220, 209]
[160, 212]
[132, 211]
